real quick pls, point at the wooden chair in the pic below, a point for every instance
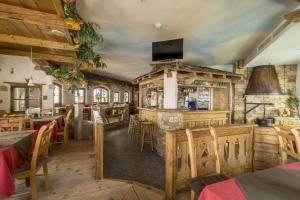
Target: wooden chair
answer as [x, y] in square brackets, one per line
[39, 159]
[65, 133]
[47, 112]
[131, 125]
[28, 123]
[197, 183]
[13, 124]
[289, 144]
[51, 127]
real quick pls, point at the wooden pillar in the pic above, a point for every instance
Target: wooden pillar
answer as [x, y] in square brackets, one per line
[170, 89]
[78, 117]
[98, 144]
[170, 165]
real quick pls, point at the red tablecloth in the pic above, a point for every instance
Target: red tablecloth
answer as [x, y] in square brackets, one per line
[58, 126]
[88, 110]
[10, 159]
[229, 189]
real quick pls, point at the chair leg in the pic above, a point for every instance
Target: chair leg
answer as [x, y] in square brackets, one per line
[33, 187]
[193, 195]
[66, 142]
[45, 169]
[151, 138]
[142, 139]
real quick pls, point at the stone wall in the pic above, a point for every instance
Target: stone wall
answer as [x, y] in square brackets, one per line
[287, 79]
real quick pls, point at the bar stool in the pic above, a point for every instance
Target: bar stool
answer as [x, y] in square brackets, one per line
[137, 129]
[146, 134]
[131, 126]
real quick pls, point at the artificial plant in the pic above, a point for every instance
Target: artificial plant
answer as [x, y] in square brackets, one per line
[292, 101]
[85, 37]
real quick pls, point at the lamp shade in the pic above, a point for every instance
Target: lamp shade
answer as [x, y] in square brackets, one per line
[263, 81]
[30, 82]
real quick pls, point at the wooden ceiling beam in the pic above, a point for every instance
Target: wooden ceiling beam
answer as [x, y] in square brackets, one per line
[293, 16]
[21, 40]
[20, 14]
[41, 56]
[59, 8]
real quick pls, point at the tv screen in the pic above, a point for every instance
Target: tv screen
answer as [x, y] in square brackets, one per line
[170, 49]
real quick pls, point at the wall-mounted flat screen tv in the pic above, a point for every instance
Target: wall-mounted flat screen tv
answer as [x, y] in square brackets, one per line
[165, 50]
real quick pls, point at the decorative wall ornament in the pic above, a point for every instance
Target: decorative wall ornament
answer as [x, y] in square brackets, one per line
[85, 37]
[3, 88]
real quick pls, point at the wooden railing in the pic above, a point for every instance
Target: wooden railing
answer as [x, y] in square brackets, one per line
[235, 147]
[98, 143]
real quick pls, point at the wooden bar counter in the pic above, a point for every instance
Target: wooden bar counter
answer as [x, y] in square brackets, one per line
[176, 96]
[179, 119]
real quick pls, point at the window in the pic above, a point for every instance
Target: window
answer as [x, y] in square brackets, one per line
[23, 97]
[116, 97]
[100, 95]
[57, 94]
[126, 97]
[79, 96]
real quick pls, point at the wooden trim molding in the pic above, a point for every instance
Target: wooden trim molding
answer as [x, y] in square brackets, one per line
[21, 40]
[23, 84]
[41, 56]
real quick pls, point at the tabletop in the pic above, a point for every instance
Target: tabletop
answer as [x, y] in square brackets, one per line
[230, 188]
[47, 118]
[15, 146]
[11, 137]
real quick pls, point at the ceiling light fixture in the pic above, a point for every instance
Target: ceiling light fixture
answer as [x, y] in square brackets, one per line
[158, 25]
[30, 80]
[57, 32]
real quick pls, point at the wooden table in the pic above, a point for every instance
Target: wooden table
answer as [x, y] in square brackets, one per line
[14, 147]
[230, 189]
[41, 121]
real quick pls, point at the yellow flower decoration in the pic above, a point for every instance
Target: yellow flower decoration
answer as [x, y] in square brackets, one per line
[82, 82]
[88, 66]
[72, 23]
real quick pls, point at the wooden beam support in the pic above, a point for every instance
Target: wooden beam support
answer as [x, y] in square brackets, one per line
[21, 40]
[293, 16]
[41, 56]
[60, 13]
[16, 13]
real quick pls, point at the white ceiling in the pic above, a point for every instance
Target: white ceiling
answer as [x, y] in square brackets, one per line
[216, 32]
[283, 50]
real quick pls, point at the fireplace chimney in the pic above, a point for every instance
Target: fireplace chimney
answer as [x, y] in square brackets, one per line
[263, 81]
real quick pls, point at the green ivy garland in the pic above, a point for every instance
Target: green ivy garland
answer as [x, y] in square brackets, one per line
[85, 37]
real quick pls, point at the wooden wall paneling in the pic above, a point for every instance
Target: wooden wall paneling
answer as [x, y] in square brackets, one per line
[266, 148]
[235, 148]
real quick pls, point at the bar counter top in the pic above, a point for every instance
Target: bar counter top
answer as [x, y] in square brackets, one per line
[184, 110]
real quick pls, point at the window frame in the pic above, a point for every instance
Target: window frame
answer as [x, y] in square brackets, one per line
[26, 99]
[128, 99]
[84, 95]
[101, 96]
[114, 93]
[60, 94]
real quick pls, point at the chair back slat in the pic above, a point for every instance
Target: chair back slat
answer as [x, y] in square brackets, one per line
[202, 150]
[289, 143]
[67, 121]
[13, 124]
[39, 147]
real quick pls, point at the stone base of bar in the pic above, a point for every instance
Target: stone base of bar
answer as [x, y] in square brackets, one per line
[165, 119]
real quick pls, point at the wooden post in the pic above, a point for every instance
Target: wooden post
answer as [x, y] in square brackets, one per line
[170, 165]
[98, 144]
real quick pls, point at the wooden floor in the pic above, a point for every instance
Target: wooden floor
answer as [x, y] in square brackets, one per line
[71, 176]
